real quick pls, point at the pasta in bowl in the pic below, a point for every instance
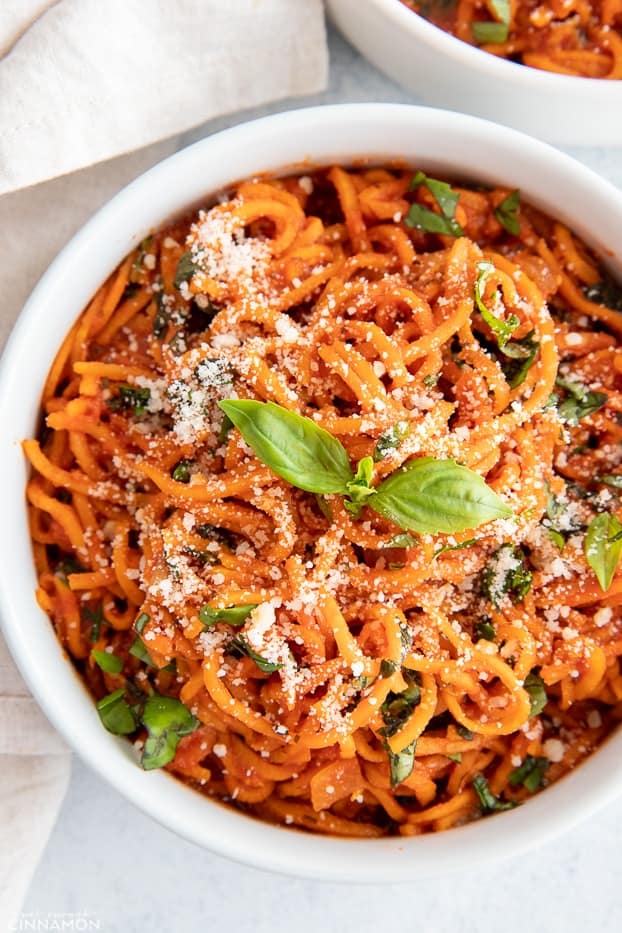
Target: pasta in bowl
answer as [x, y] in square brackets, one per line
[324, 509]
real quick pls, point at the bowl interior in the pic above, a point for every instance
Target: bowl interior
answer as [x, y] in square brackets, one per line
[438, 141]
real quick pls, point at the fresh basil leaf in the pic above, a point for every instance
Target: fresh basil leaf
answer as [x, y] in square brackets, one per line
[294, 447]
[521, 356]
[432, 496]
[506, 574]
[507, 213]
[530, 773]
[502, 10]
[234, 615]
[486, 33]
[485, 629]
[241, 646]
[453, 547]
[603, 547]
[116, 713]
[534, 685]
[391, 440]
[401, 763]
[181, 473]
[130, 397]
[141, 621]
[502, 329]
[167, 721]
[610, 479]
[398, 707]
[487, 801]
[429, 221]
[580, 401]
[186, 268]
[402, 540]
[109, 663]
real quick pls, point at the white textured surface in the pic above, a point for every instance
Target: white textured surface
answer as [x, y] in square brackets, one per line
[108, 860]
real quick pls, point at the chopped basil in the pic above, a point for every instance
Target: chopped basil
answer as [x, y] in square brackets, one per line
[530, 774]
[166, 720]
[186, 268]
[225, 430]
[161, 317]
[603, 547]
[130, 397]
[506, 574]
[457, 757]
[109, 663]
[486, 630]
[464, 733]
[95, 618]
[579, 403]
[501, 328]
[401, 763]
[240, 645]
[607, 293]
[610, 479]
[391, 440]
[485, 33]
[181, 473]
[234, 615]
[431, 380]
[388, 667]
[65, 567]
[534, 685]
[557, 538]
[454, 547]
[507, 213]
[141, 621]
[398, 707]
[487, 801]
[139, 650]
[116, 713]
[429, 221]
[521, 356]
[402, 540]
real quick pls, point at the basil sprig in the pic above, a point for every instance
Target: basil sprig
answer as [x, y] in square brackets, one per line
[429, 221]
[507, 213]
[166, 720]
[502, 329]
[603, 547]
[233, 615]
[425, 495]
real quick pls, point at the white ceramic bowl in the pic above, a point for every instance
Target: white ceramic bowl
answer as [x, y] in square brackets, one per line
[447, 72]
[437, 141]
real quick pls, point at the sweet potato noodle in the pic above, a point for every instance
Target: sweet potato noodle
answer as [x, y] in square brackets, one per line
[298, 654]
[571, 37]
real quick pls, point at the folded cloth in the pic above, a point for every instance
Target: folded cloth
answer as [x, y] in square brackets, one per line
[34, 763]
[82, 81]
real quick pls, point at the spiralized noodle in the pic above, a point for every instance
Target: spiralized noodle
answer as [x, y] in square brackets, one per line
[569, 37]
[375, 681]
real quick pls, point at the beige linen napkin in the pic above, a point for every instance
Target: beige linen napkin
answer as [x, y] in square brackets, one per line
[85, 80]
[82, 81]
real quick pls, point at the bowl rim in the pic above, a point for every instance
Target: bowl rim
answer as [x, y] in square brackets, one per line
[478, 60]
[35, 647]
